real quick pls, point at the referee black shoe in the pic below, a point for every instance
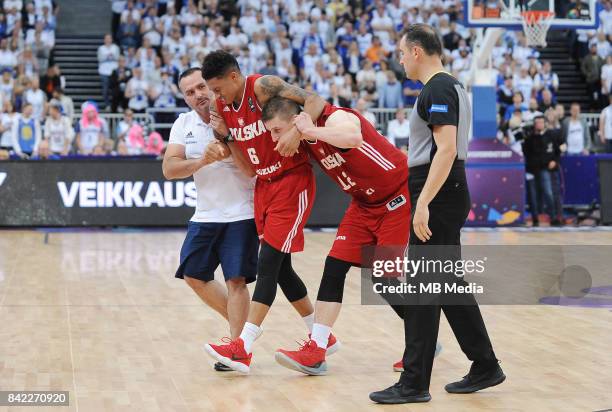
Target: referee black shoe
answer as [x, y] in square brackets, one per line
[473, 382]
[399, 393]
[219, 367]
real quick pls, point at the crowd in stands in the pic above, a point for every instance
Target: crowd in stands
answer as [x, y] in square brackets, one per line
[37, 120]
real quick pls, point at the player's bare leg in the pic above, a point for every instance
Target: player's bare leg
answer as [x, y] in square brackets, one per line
[237, 305]
[212, 293]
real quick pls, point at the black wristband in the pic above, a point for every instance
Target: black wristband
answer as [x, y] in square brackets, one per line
[228, 138]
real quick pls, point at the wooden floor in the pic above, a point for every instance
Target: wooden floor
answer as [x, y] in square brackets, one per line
[100, 314]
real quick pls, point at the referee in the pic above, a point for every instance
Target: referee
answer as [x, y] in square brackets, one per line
[439, 127]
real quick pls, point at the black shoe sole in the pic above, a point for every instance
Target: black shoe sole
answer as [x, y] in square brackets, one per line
[219, 367]
[408, 399]
[478, 387]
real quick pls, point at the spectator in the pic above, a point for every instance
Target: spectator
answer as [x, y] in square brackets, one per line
[547, 80]
[155, 144]
[134, 141]
[8, 58]
[312, 37]
[362, 108]
[366, 74]
[164, 93]
[7, 84]
[335, 98]
[524, 83]
[452, 38]
[124, 125]
[26, 133]
[376, 53]
[28, 64]
[108, 57]
[603, 45]
[67, 104]
[37, 98]
[352, 60]
[58, 131]
[605, 125]
[517, 106]
[7, 119]
[398, 130]
[576, 132]
[547, 101]
[118, 84]
[412, 89]
[541, 153]
[390, 95]
[50, 81]
[269, 68]
[591, 69]
[91, 130]
[505, 96]
[533, 111]
[606, 79]
[136, 92]
[128, 34]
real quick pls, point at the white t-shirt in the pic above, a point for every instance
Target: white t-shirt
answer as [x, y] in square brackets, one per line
[6, 120]
[140, 100]
[575, 137]
[57, 132]
[224, 193]
[395, 130]
[607, 112]
[37, 99]
[108, 57]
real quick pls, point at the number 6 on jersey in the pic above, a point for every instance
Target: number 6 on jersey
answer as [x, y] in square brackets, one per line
[253, 155]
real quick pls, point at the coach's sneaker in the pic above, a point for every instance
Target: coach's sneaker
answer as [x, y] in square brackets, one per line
[232, 354]
[399, 365]
[333, 344]
[308, 359]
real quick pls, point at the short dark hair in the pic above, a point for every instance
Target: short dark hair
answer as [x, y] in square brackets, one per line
[279, 105]
[425, 37]
[218, 63]
[188, 72]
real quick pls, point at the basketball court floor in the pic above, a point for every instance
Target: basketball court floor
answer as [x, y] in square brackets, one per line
[99, 314]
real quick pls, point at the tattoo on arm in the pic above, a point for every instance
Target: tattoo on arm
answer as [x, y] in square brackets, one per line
[273, 86]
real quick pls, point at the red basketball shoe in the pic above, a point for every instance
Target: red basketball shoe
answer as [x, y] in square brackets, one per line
[232, 354]
[308, 359]
[333, 344]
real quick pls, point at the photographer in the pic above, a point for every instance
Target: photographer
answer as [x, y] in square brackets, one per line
[542, 150]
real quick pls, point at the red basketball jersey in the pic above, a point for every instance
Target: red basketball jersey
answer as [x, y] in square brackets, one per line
[250, 135]
[371, 173]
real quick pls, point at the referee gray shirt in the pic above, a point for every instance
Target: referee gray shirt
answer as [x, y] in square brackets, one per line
[443, 101]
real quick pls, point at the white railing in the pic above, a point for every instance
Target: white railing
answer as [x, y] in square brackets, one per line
[383, 117]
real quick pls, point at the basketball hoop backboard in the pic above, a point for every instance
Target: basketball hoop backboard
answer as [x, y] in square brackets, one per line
[507, 13]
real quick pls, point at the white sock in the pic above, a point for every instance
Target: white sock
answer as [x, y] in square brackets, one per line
[309, 321]
[249, 333]
[320, 334]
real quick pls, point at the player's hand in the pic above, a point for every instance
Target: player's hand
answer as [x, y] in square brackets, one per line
[289, 143]
[420, 222]
[215, 151]
[303, 122]
[218, 124]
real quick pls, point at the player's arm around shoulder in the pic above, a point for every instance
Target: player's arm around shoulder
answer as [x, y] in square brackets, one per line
[342, 129]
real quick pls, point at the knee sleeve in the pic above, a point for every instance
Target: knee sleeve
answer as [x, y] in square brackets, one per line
[331, 288]
[290, 283]
[268, 266]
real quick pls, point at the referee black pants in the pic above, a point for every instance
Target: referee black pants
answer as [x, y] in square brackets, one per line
[447, 214]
